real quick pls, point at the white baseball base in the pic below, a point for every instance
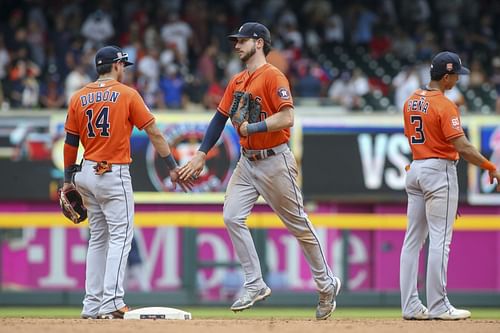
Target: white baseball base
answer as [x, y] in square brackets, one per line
[157, 313]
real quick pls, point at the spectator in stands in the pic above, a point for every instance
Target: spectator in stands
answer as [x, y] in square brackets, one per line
[364, 21]
[213, 95]
[4, 63]
[177, 33]
[339, 90]
[14, 23]
[414, 13]
[172, 88]
[477, 76]
[60, 45]
[23, 86]
[36, 41]
[52, 94]
[404, 84]
[495, 79]
[148, 70]
[334, 30]
[380, 44]
[97, 29]
[31, 88]
[403, 46]
[307, 85]
[348, 90]
[76, 79]
[206, 67]
[456, 96]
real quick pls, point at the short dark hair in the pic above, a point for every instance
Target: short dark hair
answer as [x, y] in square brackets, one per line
[437, 76]
[267, 48]
[104, 68]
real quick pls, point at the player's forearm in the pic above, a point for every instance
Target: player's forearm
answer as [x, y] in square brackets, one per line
[157, 140]
[213, 132]
[161, 146]
[280, 120]
[70, 152]
[469, 153]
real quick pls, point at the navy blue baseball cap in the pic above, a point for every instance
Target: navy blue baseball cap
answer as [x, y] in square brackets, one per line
[111, 54]
[447, 63]
[253, 30]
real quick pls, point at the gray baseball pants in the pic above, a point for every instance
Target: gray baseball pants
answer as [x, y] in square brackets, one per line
[275, 179]
[432, 188]
[110, 205]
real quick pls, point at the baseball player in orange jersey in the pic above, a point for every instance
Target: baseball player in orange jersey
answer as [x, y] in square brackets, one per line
[432, 126]
[102, 115]
[266, 167]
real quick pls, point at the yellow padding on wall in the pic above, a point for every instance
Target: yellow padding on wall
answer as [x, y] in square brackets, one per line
[256, 220]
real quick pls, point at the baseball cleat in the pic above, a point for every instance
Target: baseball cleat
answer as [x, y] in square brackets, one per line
[422, 314]
[327, 302]
[118, 314]
[84, 316]
[454, 314]
[249, 298]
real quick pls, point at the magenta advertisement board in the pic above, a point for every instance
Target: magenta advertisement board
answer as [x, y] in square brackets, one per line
[54, 259]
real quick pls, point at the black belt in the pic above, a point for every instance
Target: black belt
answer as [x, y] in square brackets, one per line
[258, 155]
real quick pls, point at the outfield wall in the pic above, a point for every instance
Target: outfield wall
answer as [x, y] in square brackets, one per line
[188, 252]
[352, 176]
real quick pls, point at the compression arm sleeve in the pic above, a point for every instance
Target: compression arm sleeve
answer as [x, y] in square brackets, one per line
[214, 131]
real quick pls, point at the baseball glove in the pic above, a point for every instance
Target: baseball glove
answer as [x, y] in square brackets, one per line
[72, 205]
[241, 114]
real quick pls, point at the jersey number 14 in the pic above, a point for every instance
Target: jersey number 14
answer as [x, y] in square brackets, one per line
[101, 122]
[419, 136]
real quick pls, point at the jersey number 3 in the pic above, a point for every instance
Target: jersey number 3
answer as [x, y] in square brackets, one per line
[101, 122]
[419, 136]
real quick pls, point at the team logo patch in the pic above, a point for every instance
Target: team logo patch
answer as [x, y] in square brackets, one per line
[283, 93]
[455, 123]
[449, 67]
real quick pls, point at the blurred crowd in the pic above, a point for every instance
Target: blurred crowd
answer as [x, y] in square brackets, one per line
[183, 59]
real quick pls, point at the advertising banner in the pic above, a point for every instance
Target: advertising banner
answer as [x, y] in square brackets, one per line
[342, 158]
[54, 259]
[353, 160]
[485, 136]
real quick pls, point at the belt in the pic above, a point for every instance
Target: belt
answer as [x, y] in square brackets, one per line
[257, 155]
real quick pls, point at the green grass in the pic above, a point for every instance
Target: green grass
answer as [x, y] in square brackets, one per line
[255, 313]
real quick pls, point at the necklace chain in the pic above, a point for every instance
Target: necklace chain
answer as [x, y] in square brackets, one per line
[431, 89]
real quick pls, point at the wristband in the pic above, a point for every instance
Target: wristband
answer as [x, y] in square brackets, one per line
[68, 175]
[170, 161]
[261, 126]
[487, 165]
[69, 171]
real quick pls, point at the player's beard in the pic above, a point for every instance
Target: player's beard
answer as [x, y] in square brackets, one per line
[249, 54]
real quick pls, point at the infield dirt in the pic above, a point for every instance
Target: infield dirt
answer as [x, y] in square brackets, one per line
[33, 325]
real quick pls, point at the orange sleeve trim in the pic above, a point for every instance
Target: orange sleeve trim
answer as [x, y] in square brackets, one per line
[149, 122]
[70, 154]
[281, 106]
[488, 165]
[71, 131]
[455, 136]
[223, 112]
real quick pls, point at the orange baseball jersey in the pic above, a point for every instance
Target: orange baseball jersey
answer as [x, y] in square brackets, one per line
[103, 114]
[270, 92]
[431, 120]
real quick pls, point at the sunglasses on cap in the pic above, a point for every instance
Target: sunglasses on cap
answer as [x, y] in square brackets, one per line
[123, 58]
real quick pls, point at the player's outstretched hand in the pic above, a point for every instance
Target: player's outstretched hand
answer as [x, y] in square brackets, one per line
[495, 175]
[186, 185]
[193, 168]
